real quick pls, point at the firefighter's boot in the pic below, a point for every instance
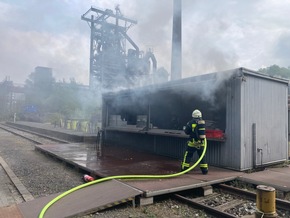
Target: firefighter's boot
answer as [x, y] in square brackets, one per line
[204, 168]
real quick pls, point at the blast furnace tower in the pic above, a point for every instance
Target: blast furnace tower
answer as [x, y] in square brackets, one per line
[111, 66]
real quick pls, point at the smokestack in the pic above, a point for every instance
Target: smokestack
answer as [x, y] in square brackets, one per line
[176, 61]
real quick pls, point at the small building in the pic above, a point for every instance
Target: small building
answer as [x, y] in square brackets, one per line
[246, 116]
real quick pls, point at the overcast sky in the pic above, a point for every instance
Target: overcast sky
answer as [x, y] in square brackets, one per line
[217, 35]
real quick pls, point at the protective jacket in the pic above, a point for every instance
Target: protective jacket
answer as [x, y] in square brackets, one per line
[196, 130]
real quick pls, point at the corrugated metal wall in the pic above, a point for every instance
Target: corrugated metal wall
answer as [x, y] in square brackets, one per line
[230, 151]
[264, 105]
[163, 145]
[256, 118]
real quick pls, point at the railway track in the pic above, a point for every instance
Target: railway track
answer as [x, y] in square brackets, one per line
[34, 137]
[230, 202]
[24, 169]
[226, 201]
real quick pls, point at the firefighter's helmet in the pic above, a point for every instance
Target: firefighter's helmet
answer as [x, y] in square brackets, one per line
[196, 114]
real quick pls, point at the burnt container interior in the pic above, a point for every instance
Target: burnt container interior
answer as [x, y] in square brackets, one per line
[169, 107]
[152, 118]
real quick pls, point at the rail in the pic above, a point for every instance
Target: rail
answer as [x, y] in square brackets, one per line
[232, 202]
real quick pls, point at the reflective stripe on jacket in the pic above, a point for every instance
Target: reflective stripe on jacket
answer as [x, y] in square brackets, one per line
[196, 131]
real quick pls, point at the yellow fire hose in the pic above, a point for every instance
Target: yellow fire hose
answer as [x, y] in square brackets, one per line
[49, 204]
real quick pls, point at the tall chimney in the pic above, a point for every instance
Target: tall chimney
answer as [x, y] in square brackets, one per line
[176, 60]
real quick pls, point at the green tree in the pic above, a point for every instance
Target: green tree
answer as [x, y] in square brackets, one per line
[63, 100]
[58, 100]
[276, 71]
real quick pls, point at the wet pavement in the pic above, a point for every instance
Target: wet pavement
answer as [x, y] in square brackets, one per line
[114, 160]
[122, 160]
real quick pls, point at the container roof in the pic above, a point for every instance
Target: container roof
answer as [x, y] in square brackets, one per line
[212, 79]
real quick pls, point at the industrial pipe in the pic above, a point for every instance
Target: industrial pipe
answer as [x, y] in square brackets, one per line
[254, 143]
[49, 204]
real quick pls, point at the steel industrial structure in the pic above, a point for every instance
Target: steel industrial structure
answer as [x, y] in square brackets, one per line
[11, 98]
[111, 65]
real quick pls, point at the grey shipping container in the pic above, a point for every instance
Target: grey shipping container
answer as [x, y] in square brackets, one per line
[251, 109]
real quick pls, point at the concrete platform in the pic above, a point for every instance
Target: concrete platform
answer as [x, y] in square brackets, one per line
[278, 178]
[126, 161]
[193, 179]
[11, 211]
[78, 203]
[57, 132]
[116, 160]
[83, 201]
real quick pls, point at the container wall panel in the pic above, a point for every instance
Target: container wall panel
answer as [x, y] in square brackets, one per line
[170, 146]
[265, 107]
[134, 140]
[213, 153]
[230, 152]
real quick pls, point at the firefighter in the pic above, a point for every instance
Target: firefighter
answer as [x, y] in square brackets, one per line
[195, 128]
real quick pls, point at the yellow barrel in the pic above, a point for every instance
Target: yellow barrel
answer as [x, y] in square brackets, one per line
[74, 124]
[266, 201]
[84, 126]
[68, 124]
